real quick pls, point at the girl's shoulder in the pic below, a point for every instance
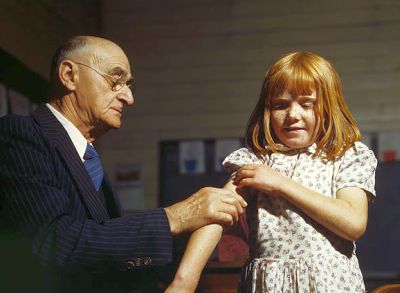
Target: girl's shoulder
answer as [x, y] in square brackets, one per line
[359, 151]
[241, 157]
[358, 148]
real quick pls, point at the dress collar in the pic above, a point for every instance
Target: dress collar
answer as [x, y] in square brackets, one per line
[285, 150]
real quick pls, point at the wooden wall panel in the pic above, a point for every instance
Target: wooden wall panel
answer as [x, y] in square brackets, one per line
[199, 64]
[32, 30]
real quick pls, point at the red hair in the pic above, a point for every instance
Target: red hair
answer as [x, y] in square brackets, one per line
[301, 73]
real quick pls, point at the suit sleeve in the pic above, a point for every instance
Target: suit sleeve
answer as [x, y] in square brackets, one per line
[32, 202]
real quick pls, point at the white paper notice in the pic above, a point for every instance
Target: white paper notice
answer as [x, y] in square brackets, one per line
[192, 157]
[129, 185]
[389, 146]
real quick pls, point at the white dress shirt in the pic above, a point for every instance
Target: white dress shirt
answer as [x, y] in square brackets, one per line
[75, 135]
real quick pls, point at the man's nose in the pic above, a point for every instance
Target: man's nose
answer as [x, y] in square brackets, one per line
[126, 96]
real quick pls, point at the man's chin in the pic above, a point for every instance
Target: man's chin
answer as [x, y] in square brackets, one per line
[105, 126]
[113, 124]
[116, 125]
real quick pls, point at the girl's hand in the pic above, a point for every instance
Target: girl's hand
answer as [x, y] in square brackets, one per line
[259, 177]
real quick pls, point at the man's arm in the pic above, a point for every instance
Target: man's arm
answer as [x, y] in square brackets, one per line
[39, 199]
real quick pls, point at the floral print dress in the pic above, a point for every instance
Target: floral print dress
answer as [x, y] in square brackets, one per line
[289, 251]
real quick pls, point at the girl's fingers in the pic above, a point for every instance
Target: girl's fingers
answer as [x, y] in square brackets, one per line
[246, 182]
[248, 167]
[241, 174]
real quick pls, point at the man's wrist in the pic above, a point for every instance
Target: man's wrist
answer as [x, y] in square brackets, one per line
[172, 220]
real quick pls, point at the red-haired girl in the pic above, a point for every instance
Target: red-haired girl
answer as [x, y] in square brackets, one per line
[307, 179]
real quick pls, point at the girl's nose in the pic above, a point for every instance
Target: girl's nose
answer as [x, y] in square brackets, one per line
[294, 111]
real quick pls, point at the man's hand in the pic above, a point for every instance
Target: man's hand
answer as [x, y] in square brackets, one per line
[207, 206]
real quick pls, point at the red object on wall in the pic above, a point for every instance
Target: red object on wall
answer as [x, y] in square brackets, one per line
[389, 155]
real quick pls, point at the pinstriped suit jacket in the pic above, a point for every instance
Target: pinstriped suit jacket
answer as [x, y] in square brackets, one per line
[46, 193]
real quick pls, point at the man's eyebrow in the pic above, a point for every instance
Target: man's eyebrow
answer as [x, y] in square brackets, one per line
[118, 71]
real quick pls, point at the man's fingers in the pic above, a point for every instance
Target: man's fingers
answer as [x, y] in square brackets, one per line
[231, 197]
[234, 210]
[226, 219]
[233, 202]
[230, 210]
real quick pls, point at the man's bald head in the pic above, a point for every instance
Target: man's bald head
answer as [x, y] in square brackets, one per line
[87, 49]
[90, 84]
[78, 46]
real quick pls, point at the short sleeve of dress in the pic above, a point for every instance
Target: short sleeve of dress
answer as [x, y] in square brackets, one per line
[240, 158]
[357, 169]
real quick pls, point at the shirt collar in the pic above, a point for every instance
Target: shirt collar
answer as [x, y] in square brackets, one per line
[75, 135]
[310, 149]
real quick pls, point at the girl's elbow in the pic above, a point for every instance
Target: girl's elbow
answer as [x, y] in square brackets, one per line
[356, 232]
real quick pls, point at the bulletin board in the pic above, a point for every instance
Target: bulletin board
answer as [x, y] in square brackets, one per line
[175, 186]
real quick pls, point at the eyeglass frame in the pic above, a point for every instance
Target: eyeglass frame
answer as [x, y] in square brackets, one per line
[115, 83]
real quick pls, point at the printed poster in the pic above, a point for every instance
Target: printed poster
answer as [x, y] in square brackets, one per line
[129, 183]
[389, 146]
[192, 157]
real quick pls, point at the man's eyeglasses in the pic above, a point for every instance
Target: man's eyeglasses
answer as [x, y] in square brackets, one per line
[116, 83]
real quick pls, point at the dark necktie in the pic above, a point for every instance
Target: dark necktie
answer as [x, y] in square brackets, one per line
[93, 166]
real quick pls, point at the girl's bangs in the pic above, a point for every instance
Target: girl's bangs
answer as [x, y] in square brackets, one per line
[297, 81]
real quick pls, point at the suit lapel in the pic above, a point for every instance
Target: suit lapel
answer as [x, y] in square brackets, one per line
[60, 139]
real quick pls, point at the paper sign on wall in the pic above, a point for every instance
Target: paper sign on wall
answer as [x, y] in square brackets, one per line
[389, 146]
[129, 184]
[191, 157]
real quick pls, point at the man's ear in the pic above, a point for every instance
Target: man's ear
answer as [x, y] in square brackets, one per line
[68, 75]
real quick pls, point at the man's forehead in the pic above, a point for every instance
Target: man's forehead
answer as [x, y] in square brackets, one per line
[111, 60]
[108, 54]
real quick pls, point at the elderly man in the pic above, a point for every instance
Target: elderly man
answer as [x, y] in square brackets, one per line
[53, 189]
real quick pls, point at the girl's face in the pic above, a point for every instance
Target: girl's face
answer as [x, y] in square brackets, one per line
[294, 119]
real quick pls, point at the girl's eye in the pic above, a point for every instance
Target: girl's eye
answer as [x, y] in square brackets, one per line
[279, 106]
[307, 105]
